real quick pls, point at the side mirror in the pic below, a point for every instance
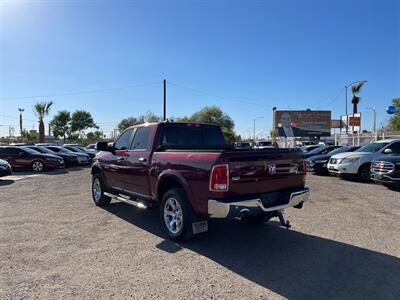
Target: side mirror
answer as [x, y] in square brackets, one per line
[103, 146]
[388, 151]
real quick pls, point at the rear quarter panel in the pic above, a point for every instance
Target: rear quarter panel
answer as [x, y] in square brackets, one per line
[191, 169]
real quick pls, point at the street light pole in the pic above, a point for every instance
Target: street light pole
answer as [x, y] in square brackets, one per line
[254, 128]
[346, 87]
[374, 115]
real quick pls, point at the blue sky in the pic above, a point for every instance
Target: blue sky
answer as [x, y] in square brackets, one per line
[288, 54]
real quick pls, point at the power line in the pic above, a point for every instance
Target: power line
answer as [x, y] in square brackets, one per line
[217, 96]
[81, 92]
[16, 118]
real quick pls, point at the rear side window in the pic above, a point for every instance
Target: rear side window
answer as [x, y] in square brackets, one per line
[12, 151]
[122, 143]
[141, 139]
[187, 136]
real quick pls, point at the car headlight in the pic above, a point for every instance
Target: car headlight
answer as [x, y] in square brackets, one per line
[351, 159]
[324, 161]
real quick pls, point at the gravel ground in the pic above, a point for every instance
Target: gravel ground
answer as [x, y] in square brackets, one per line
[54, 243]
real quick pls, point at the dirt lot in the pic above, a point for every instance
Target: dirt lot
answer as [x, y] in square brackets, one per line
[344, 243]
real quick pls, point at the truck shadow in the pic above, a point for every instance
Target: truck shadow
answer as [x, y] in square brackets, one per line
[290, 263]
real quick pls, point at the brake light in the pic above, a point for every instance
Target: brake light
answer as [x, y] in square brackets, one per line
[304, 167]
[219, 179]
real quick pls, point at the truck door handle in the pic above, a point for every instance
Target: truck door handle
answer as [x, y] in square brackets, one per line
[120, 158]
[142, 159]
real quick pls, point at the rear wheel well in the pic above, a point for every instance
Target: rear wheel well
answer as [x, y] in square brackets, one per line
[95, 170]
[165, 185]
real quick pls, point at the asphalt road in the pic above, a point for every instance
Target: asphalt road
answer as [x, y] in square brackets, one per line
[54, 243]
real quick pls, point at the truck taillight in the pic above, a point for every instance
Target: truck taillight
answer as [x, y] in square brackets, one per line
[304, 167]
[219, 179]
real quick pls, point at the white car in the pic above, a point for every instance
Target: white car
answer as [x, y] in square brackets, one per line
[358, 163]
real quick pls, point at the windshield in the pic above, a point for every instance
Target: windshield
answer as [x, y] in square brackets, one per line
[63, 150]
[316, 150]
[30, 151]
[372, 147]
[340, 150]
[45, 150]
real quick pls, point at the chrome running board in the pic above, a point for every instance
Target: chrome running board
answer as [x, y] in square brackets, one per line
[126, 200]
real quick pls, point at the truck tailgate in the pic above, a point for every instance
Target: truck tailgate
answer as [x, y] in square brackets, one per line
[258, 172]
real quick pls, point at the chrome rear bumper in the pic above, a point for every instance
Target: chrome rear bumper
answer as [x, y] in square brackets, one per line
[218, 209]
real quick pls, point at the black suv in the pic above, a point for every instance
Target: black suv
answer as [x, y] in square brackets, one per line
[386, 170]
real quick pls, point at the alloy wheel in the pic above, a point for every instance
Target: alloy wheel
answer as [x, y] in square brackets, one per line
[173, 216]
[37, 166]
[96, 189]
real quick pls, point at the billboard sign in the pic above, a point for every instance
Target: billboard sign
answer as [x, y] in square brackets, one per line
[302, 123]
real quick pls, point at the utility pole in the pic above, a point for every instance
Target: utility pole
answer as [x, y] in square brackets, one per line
[20, 119]
[254, 128]
[374, 116]
[165, 100]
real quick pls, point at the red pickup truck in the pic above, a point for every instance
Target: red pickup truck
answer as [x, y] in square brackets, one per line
[190, 172]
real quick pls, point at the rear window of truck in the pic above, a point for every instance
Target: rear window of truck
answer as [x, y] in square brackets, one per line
[183, 136]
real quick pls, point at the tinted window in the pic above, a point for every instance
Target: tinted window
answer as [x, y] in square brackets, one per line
[29, 150]
[193, 136]
[141, 138]
[395, 148]
[12, 150]
[122, 143]
[55, 149]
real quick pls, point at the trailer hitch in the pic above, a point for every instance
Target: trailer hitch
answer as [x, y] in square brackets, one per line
[282, 220]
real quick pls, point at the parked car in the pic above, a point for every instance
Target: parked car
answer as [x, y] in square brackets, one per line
[91, 147]
[194, 175]
[386, 170]
[357, 164]
[5, 168]
[82, 158]
[262, 145]
[24, 157]
[70, 159]
[318, 164]
[320, 151]
[79, 149]
[306, 149]
[242, 145]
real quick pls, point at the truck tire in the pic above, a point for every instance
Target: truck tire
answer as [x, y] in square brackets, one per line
[98, 191]
[364, 173]
[177, 215]
[256, 220]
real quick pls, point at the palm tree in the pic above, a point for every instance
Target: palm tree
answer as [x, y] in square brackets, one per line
[355, 89]
[42, 109]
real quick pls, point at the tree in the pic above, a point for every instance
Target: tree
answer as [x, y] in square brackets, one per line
[94, 136]
[131, 121]
[394, 121]
[127, 122]
[30, 136]
[214, 115]
[355, 89]
[42, 109]
[81, 120]
[61, 124]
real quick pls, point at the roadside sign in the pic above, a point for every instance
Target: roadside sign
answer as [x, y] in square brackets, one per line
[354, 121]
